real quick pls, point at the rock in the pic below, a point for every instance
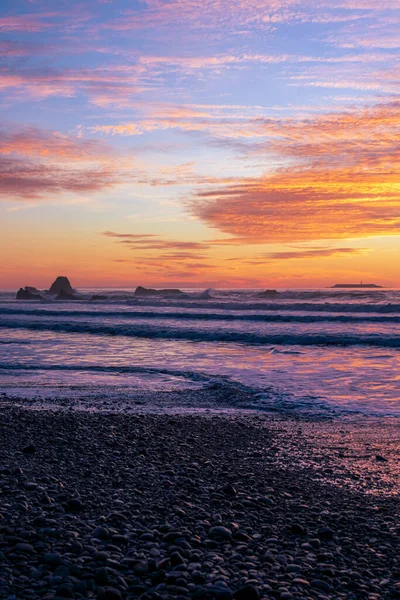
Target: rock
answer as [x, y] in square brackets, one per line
[112, 594]
[218, 592]
[248, 592]
[240, 536]
[141, 568]
[66, 296]
[298, 529]
[31, 449]
[326, 533]
[176, 559]
[319, 584]
[380, 458]
[65, 591]
[101, 576]
[101, 533]
[61, 284]
[171, 536]
[53, 559]
[229, 490]
[25, 548]
[74, 505]
[220, 533]
[142, 291]
[26, 294]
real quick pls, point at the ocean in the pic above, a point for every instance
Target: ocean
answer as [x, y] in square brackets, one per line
[325, 351]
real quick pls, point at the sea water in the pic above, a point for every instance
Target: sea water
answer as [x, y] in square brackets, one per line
[316, 350]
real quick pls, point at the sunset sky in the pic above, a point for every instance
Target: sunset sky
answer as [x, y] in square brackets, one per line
[211, 143]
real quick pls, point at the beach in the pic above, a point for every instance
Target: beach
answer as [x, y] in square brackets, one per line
[206, 504]
[218, 445]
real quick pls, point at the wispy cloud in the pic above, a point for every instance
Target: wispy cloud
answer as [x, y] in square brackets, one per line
[35, 163]
[342, 182]
[311, 253]
[154, 242]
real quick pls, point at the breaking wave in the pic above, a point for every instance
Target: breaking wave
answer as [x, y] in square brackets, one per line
[215, 335]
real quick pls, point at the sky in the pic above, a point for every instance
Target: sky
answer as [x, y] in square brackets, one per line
[200, 143]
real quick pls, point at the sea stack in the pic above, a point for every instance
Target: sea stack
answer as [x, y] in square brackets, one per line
[142, 291]
[61, 286]
[27, 293]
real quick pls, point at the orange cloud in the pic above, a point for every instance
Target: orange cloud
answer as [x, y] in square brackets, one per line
[343, 181]
[311, 253]
[32, 141]
[154, 242]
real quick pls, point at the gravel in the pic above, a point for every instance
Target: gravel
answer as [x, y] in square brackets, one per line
[112, 506]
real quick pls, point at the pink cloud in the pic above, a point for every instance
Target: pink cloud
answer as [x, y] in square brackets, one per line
[35, 163]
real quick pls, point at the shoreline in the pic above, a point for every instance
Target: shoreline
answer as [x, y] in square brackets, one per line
[197, 505]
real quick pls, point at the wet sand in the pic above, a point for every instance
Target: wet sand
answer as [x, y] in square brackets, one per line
[197, 505]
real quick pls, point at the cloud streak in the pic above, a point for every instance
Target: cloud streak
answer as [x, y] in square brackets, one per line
[342, 182]
[312, 253]
[36, 163]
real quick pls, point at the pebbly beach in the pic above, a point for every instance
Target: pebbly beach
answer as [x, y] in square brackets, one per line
[206, 505]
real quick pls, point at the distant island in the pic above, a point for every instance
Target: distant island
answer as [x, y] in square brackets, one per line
[356, 285]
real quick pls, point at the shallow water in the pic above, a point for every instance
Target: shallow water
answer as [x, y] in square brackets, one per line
[316, 350]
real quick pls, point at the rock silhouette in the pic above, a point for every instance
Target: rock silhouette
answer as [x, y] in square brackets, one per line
[65, 296]
[61, 289]
[142, 291]
[28, 293]
[61, 284]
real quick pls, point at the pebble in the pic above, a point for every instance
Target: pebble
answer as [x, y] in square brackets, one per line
[144, 506]
[220, 533]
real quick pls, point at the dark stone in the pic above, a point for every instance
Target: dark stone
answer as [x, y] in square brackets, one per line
[319, 584]
[101, 533]
[25, 548]
[229, 490]
[74, 505]
[326, 533]
[65, 591]
[171, 536]
[213, 591]
[240, 536]
[142, 291]
[112, 594]
[176, 559]
[220, 533]
[61, 284]
[53, 559]
[298, 529]
[101, 576]
[27, 294]
[31, 449]
[65, 296]
[248, 592]
[141, 568]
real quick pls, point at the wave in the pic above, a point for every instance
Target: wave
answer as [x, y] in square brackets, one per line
[278, 305]
[193, 375]
[198, 335]
[204, 316]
